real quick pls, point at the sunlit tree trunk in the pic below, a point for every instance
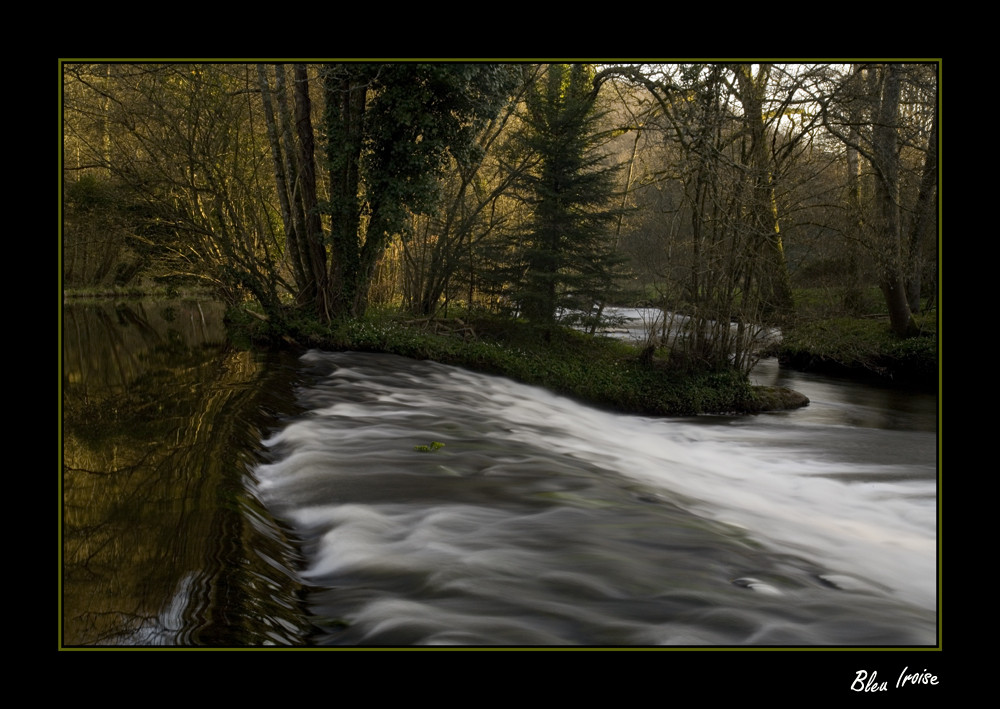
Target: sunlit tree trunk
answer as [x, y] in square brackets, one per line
[763, 212]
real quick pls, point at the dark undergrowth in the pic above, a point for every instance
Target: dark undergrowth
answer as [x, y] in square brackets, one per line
[864, 347]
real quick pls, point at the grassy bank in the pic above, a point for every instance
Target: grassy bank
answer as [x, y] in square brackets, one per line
[865, 347]
[599, 371]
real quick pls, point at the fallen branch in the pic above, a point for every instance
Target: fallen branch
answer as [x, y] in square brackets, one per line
[259, 316]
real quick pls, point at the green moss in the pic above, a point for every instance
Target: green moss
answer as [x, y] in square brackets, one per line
[600, 371]
[863, 345]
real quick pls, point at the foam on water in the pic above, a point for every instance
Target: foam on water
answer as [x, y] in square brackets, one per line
[542, 521]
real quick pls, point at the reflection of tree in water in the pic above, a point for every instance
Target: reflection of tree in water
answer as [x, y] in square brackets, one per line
[157, 436]
[107, 345]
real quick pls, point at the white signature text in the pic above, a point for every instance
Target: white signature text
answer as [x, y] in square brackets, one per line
[865, 682]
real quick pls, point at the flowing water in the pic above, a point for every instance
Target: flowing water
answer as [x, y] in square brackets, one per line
[363, 499]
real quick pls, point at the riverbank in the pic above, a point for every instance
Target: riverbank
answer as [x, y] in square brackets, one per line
[604, 372]
[192, 470]
[863, 347]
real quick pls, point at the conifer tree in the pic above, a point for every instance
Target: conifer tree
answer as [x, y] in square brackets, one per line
[568, 251]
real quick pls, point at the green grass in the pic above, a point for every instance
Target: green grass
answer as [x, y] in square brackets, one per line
[863, 345]
[601, 371]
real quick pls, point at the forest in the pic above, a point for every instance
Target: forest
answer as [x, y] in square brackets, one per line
[735, 197]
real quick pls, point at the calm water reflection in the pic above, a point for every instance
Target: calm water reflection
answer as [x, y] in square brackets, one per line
[161, 543]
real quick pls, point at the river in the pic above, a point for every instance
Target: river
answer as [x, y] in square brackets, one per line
[211, 497]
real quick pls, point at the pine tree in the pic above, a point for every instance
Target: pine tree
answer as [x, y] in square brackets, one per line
[568, 256]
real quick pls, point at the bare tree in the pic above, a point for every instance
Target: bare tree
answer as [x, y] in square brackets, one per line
[868, 111]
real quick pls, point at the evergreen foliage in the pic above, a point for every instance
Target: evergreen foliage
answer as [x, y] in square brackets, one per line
[568, 258]
[488, 187]
[391, 130]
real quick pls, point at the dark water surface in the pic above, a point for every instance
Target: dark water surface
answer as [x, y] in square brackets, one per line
[161, 542]
[213, 497]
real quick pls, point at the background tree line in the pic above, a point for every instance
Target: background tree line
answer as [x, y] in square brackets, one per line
[319, 190]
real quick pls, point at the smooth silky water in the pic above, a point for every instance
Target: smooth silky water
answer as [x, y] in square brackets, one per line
[211, 497]
[541, 521]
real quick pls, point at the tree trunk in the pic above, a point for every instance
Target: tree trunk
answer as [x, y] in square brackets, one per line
[307, 287]
[314, 249]
[853, 295]
[281, 180]
[345, 109]
[925, 218]
[889, 252]
[763, 211]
